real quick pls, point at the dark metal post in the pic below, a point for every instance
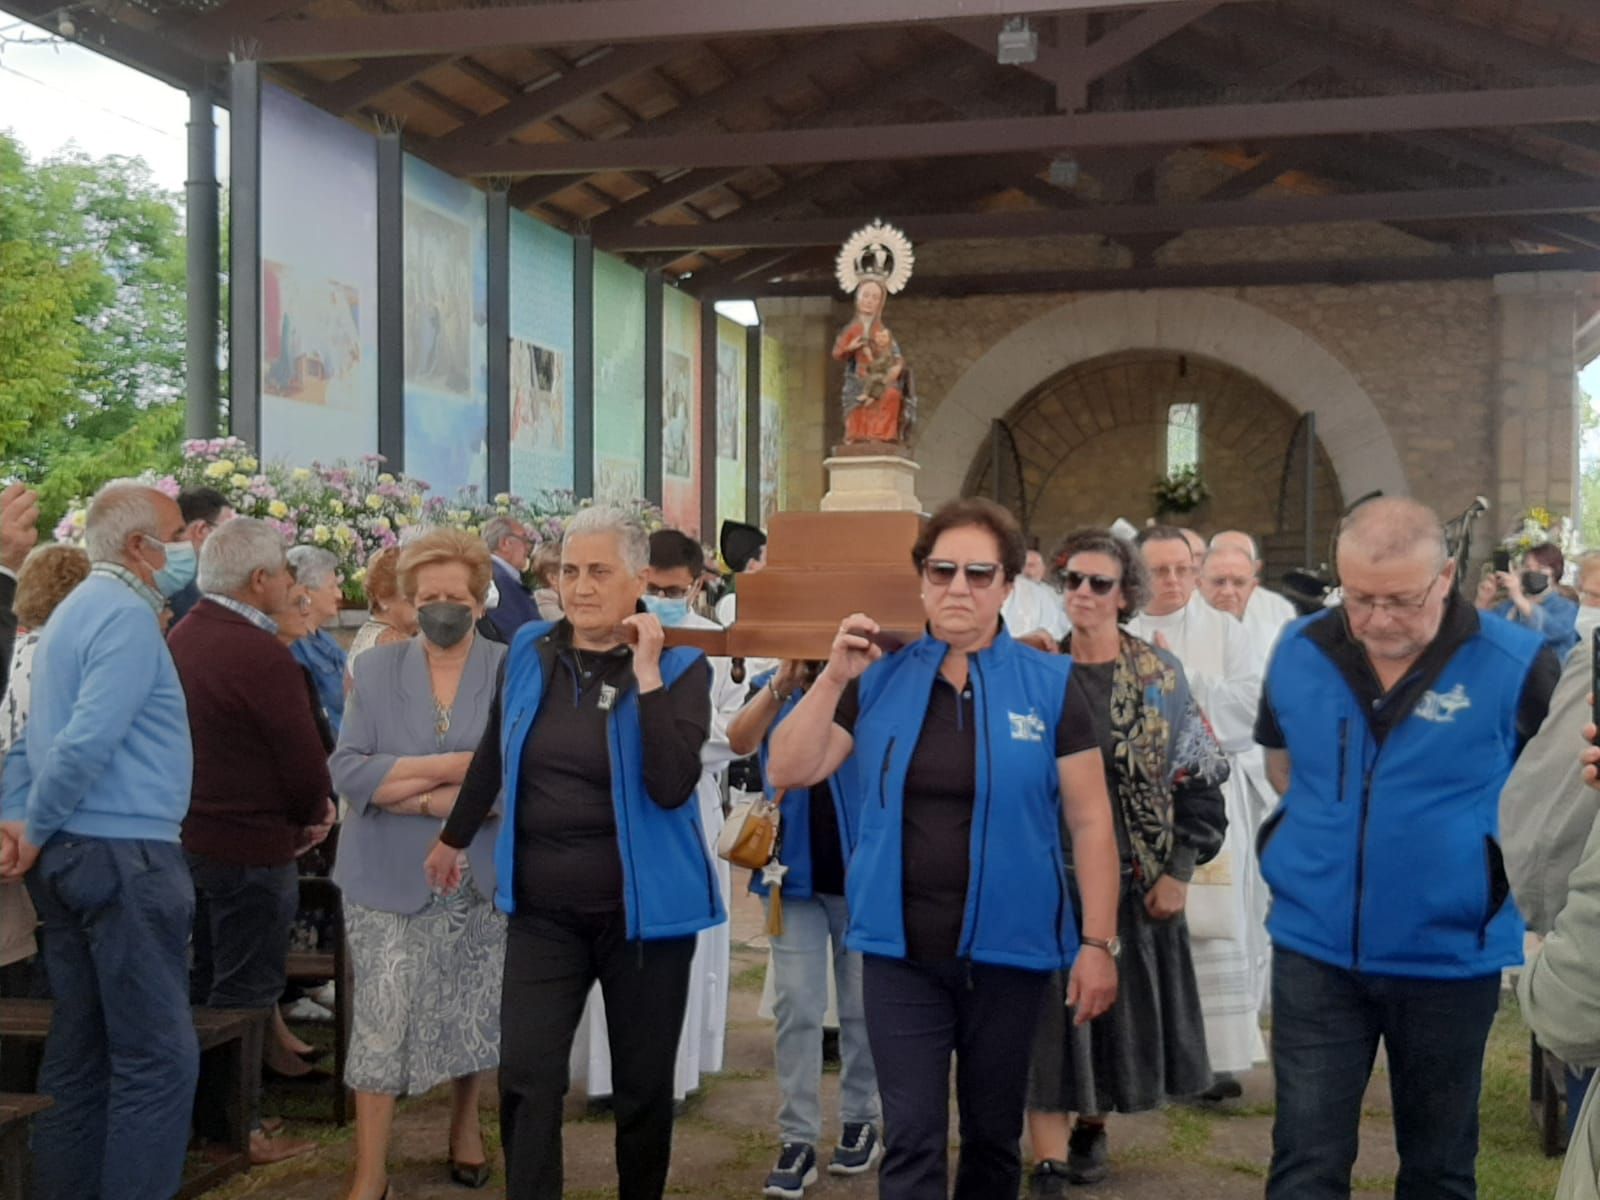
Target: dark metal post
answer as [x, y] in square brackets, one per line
[994, 461]
[499, 342]
[391, 300]
[654, 303]
[244, 252]
[202, 417]
[708, 421]
[752, 424]
[583, 365]
[1311, 491]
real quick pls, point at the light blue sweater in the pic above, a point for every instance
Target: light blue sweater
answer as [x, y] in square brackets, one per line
[106, 749]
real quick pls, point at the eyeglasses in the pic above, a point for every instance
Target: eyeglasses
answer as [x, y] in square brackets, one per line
[1173, 571]
[668, 593]
[1100, 585]
[942, 573]
[1401, 606]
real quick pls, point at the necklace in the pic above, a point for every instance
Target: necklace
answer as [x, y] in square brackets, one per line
[441, 719]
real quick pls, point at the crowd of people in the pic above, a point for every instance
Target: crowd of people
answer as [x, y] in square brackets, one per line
[1117, 804]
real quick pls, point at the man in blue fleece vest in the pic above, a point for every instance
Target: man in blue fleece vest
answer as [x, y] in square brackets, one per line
[95, 791]
[1390, 725]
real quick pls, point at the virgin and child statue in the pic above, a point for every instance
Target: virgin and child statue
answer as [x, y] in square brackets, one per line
[878, 398]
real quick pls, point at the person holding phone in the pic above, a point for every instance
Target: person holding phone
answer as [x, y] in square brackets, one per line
[961, 755]
[1529, 596]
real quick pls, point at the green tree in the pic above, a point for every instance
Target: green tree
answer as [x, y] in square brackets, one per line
[92, 364]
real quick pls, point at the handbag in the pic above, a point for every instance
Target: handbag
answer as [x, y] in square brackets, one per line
[749, 836]
[1210, 911]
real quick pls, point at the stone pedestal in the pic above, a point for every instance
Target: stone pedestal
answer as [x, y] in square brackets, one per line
[871, 483]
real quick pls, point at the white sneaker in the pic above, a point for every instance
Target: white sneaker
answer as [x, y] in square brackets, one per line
[324, 995]
[306, 1009]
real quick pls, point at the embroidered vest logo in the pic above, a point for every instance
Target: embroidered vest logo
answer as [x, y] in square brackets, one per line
[1026, 727]
[1442, 709]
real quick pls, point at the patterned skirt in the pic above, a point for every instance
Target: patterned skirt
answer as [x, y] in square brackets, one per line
[427, 992]
[1148, 1048]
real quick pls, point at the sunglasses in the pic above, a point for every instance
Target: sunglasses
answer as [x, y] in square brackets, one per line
[1100, 585]
[942, 573]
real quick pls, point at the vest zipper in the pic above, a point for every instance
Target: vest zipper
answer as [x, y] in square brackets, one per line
[1344, 743]
[980, 716]
[1361, 860]
[633, 915]
[883, 776]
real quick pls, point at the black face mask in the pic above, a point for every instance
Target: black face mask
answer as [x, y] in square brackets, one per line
[1534, 582]
[444, 624]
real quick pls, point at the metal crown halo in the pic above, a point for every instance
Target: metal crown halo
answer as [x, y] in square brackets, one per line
[877, 252]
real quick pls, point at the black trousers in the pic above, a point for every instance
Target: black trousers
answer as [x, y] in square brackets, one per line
[552, 960]
[918, 1015]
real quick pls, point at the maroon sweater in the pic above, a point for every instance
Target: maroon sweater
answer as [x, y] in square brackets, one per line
[260, 770]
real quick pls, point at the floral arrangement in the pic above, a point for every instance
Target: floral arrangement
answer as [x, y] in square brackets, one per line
[1540, 527]
[354, 511]
[1183, 490]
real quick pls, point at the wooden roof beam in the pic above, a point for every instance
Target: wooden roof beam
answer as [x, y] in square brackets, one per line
[371, 80]
[462, 30]
[1223, 122]
[1442, 204]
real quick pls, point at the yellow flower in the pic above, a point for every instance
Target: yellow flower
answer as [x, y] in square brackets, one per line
[374, 502]
[414, 501]
[503, 498]
[300, 474]
[219, 469]
[336, 507]
[248, 464]
[278, 509]
[403, 522]
[320, 535]
[385, 478]
[344, 535]
[239, 481]
[381, 523]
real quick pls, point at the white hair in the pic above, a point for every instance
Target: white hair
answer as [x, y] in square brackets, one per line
[633, 543]
[1231, 538]
[119, 510]
[236, 550]
[313, 566]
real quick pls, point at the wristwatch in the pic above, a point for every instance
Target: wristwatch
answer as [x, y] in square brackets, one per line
[1113, 946]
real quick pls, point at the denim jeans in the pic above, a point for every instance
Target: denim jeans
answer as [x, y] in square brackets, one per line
[122, 1058]
[813, 932]
[1326, 1023]
[919, 1014]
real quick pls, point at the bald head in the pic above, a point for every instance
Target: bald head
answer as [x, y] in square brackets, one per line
[1392, 528]
[1197, 544]
[1236, 539]
[1227, 580]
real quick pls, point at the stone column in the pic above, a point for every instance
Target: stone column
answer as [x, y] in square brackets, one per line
[804, 326]
[1535, 403]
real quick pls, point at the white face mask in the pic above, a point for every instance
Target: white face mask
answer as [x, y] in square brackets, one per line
[1588, 621]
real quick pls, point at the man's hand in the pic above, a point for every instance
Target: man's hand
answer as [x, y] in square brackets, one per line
[1040, 639]
[17, 853]
[314, 835]
[19, 520]
[1167, 898]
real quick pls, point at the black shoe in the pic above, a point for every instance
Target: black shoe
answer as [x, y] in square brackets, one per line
[1048, 1180]
[1088, 1154]
[1223, 1087]
[469, 1175]
[796, 1170]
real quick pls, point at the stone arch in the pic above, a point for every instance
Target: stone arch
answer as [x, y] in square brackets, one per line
[1283, 358]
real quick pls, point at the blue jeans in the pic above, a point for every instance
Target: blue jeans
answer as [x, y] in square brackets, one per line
[1326, 1023]
[121, 1059]
[919, 1014]
[813, 933]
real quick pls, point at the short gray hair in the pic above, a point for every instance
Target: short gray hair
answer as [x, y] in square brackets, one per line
[1390, 527]
[633, 542]
[120, 509]
[498, 529]
[313, 566]
[236, 550]
[1231, 537]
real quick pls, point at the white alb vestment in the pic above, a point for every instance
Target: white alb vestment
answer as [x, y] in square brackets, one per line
[705, 1019]
[1033, 605]
[1224, 675]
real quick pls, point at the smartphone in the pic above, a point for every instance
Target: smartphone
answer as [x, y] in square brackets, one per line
[1594, 681]
[1502, 560]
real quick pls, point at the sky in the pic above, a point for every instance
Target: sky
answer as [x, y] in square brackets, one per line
[54, 94]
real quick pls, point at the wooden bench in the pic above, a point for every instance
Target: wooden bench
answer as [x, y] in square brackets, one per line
[230, 1051]
[16, 1167]
[320, 966]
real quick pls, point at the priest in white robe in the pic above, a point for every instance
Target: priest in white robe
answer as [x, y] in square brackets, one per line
[1265, 612]
[1225, 674]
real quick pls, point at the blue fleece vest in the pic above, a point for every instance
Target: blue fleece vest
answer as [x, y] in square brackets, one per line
[1387, 860]
[1018, 913]
[794, 815]
[669, 887]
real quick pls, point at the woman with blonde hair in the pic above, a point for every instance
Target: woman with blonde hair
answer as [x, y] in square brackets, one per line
[48, 574]
[426, 1002]
[392, 617]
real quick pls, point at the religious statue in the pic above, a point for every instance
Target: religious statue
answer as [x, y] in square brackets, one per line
[879, 402]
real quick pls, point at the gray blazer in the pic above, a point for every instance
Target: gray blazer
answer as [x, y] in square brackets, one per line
[389, 715]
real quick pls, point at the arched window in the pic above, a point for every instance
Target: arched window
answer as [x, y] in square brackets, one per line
[1183, 436]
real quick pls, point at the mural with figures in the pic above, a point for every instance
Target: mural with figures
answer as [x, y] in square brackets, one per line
[680, 410]
[540, 397]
